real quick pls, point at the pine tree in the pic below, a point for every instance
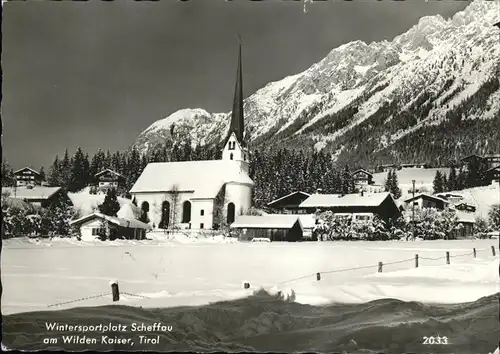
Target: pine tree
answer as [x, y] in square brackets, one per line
[65, 170]
[461, 179]
[438, 182]
[452, 179]
[42, 173]
[8, 179]
[77, 178]
[86, 170]
[54, 178]
[445, 182]
[396, 191]
[347, 181]
[110, 206]
[388, 182]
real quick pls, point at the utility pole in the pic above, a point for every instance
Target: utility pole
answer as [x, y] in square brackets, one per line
[413, 211]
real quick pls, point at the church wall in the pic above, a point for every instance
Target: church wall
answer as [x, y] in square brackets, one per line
[240, 195]
[155, 200]
[207, 205]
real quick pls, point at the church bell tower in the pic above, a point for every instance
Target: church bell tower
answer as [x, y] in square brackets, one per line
[235, 147]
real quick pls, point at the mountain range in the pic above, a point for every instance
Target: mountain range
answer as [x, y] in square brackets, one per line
[431, 95]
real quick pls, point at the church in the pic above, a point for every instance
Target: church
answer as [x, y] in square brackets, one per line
[200, 194]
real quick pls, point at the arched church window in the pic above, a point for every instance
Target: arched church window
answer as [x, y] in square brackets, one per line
[230, 213]
[165, 215]
[186, 212]
[230, 156]
[144, 212]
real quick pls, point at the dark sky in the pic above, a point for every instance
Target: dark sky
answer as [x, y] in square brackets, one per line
[95, 74]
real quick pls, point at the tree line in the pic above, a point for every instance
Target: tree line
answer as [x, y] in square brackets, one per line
[474, 175]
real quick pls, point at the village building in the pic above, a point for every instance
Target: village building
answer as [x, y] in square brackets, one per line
[466, 222]
[358, 207]
[465, 207]
[387, 167]
[123, 226]
[414, 165]
[426, 201]
[108, 178]
[28, 177]
[289, 204]
[452, 198]
[200, 194]
[494, 174]
[493, 159]
[464, 161]
[275, 227]
[362, 177]
[38, 195]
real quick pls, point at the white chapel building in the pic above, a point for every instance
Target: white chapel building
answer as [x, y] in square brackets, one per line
[200, 194]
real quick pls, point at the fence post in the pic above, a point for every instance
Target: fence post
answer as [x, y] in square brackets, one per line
[318, 276]
[115, 291]
[447, 257]
[474, 251]
[493, 250]
[380, 264]
[416, 261]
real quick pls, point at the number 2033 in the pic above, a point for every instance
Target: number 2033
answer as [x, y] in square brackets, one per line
[432, 340]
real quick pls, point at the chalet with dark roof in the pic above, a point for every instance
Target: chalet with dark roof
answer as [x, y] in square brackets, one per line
[427, 201]
[354, 206]
[109, 179]
[465, 207]
[28, 177]
[362, 177]
[290, 203]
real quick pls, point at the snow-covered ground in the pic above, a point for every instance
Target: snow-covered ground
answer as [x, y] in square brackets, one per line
[162, 273]
[86, 203]
[423, 178]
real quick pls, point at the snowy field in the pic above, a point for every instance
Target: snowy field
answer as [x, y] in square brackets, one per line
[423, 178]
[161, 273]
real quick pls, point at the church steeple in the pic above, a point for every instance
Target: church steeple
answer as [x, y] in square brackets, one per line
[237, 121]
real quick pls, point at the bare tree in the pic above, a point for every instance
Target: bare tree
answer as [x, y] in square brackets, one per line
[175, 205]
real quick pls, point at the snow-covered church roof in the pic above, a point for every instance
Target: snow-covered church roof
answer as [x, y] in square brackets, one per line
[203, 178]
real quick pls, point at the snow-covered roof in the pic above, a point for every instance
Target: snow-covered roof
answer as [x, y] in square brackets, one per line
[109, 170]
[133, 223]
[27, 168]
[35, 193]
[362, 171]
[269, 221]
[288, 195]
[466, 217]
[128, 211]
[494, 168]
[203, 178]
[423, 195]
[307, 220]
[336, 200]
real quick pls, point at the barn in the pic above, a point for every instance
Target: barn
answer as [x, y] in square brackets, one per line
[380, 204]
[276, 227]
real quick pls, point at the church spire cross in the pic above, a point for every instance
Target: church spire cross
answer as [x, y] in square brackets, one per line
[237, 121]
